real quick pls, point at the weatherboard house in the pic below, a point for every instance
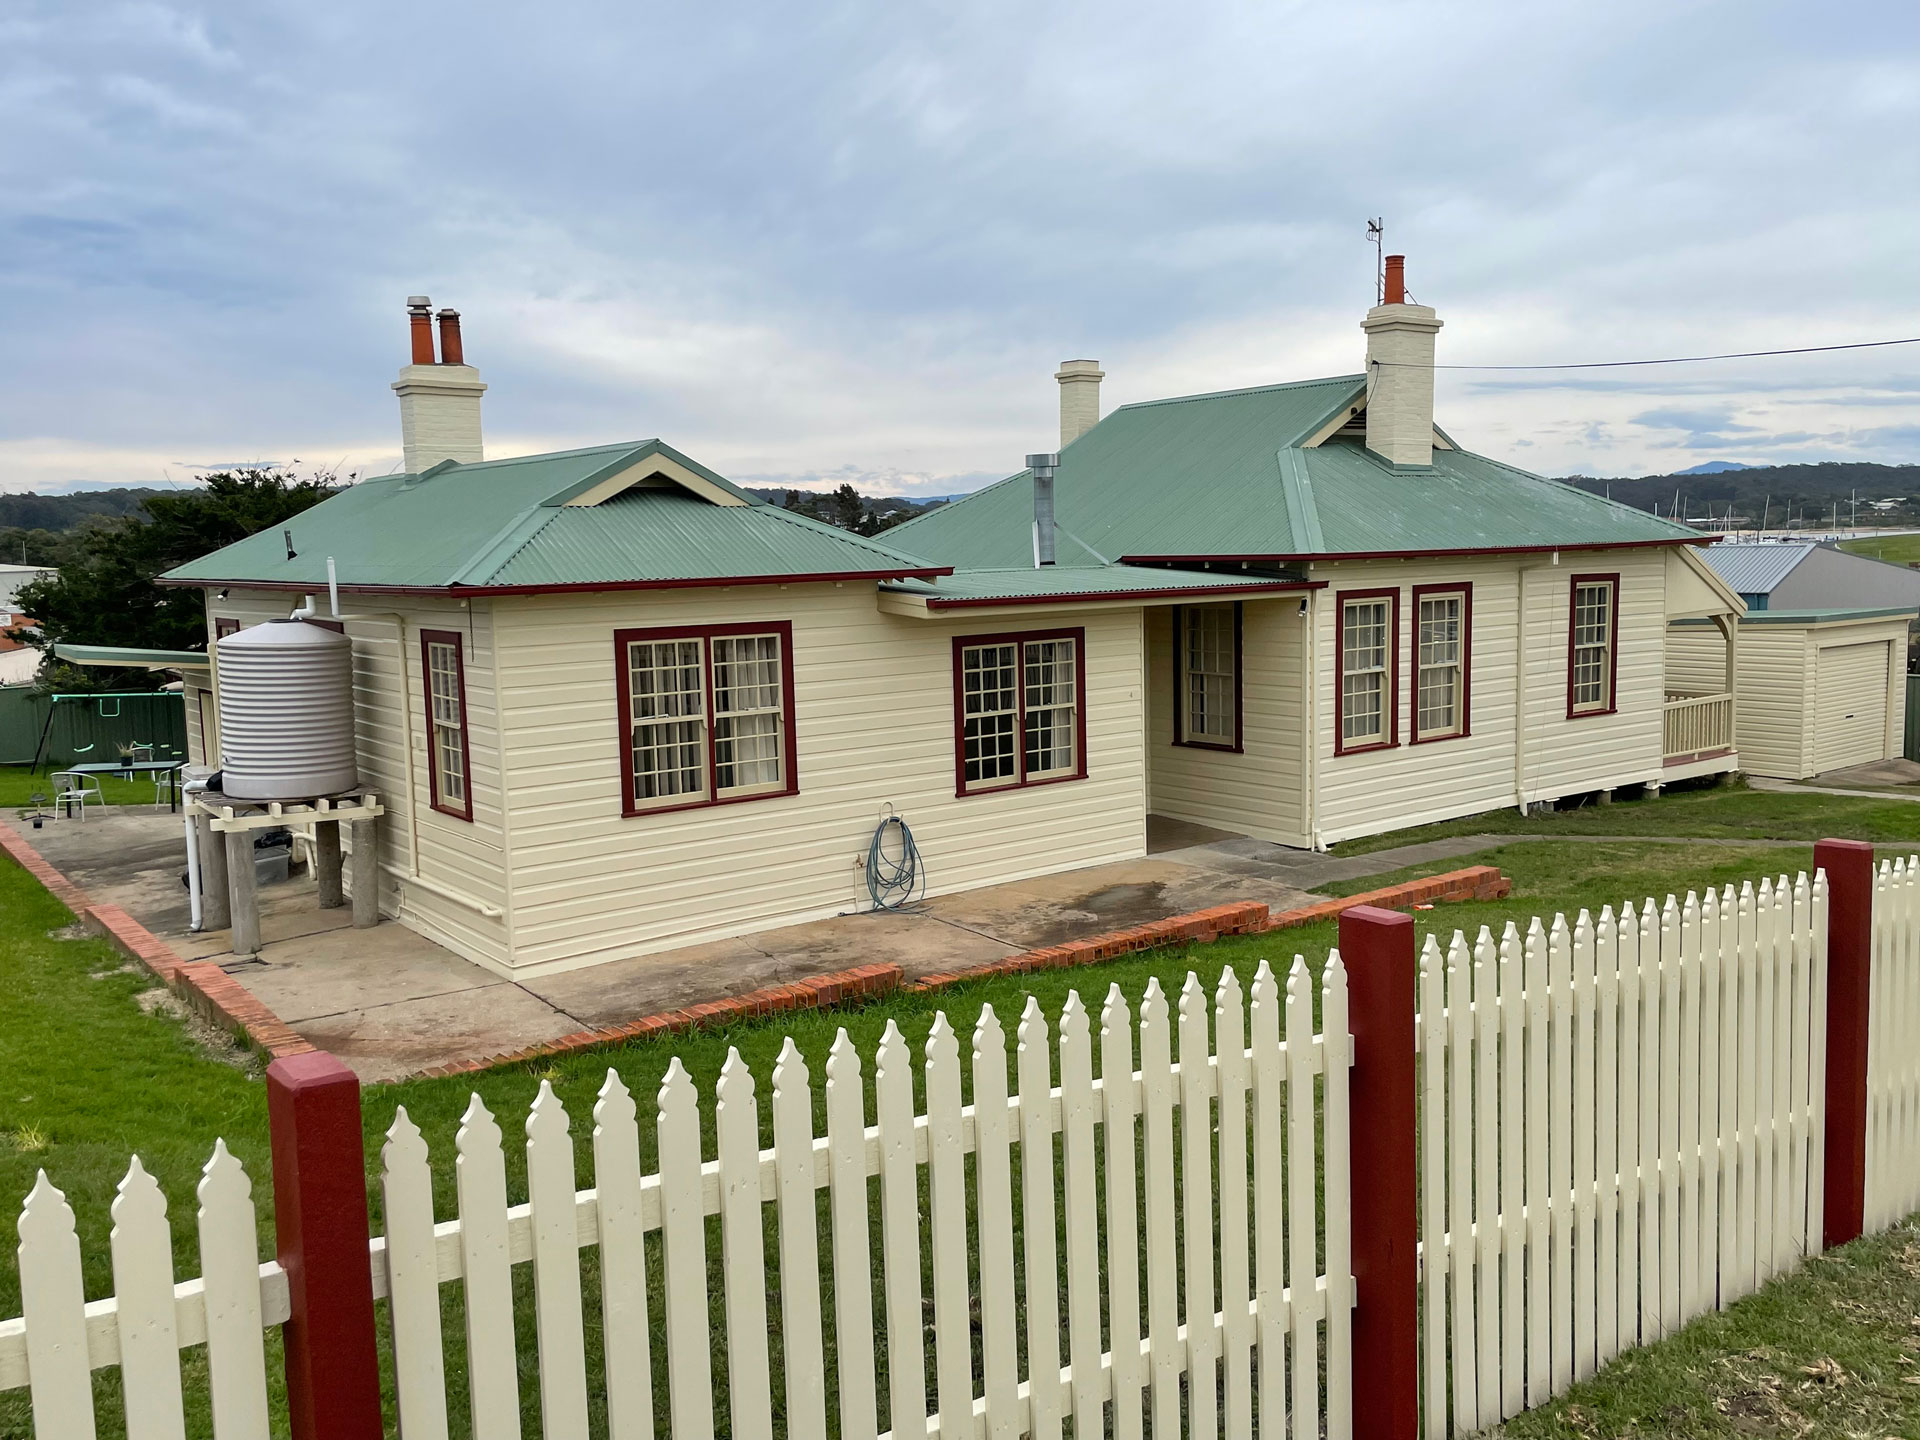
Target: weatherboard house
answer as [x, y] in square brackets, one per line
[615, 705]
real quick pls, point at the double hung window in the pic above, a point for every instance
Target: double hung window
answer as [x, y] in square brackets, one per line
[708, 714]
[1590, 644]
[1369, 624]
[446, 695]
[1443, 642]
[1018, 717]
[1207, 675]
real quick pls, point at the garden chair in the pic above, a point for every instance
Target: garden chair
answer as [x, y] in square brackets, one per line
[72, 792]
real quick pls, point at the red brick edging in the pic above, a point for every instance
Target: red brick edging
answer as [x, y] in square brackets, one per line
[209, 990]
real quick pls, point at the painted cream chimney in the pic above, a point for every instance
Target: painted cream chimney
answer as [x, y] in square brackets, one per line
[1400, 373]
[1079, 398]
[439, 401]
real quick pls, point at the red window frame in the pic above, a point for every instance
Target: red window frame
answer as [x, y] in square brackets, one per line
[1464, 589]
[705, 634]
[225, 625]
[1613, 645]
[1238, 745]
[961, 643]
[428, 639]
[1341, 600]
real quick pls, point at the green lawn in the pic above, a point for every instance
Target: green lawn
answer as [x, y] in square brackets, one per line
[1730, 812]
[91, 1077]
[1830, 1352]
[1896, 549]
[18, 786]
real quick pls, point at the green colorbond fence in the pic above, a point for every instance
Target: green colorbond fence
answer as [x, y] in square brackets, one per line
[88, 727]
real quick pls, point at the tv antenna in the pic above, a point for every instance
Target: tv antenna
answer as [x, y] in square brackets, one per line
[1377, 233]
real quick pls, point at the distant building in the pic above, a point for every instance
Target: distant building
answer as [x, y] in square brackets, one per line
[1800, 575]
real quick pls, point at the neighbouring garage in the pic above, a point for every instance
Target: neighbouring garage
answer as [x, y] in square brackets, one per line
[1816, 690]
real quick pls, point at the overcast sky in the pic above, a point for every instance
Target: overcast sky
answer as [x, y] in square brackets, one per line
[808, 242]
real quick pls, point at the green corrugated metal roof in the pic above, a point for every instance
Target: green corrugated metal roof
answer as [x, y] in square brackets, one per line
[1073, 582]
[132, 658]
[1227, 475]
[507, 523]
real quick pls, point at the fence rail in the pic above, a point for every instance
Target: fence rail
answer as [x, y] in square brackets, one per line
[1697, 724]
[1140, 1225]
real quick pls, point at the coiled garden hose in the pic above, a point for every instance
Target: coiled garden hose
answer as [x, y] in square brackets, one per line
[893, 879]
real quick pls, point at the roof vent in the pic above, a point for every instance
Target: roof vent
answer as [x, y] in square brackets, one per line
[1043, 467]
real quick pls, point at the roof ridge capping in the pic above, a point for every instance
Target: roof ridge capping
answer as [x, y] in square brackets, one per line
[1346, 381]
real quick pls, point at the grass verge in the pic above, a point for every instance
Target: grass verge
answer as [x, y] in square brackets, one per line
[1729, 812]
[1830, 1352]
[1894, 549]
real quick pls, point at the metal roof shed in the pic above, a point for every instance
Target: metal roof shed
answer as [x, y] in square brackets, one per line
[1816, 689]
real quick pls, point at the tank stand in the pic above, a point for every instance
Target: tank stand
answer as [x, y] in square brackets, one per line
[229, 825]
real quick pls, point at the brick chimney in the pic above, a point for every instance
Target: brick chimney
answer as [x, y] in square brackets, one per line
[1079, 398]
[1400, 373]
[439, 400]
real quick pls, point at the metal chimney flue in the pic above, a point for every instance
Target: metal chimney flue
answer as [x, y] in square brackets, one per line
[1043, 467]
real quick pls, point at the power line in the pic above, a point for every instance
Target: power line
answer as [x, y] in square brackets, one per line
[1670, 360]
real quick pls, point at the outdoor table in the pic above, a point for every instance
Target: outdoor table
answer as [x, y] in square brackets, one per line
[127, 769]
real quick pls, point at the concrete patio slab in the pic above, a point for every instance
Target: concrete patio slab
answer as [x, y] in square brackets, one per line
[332, 971]
[389, 1042]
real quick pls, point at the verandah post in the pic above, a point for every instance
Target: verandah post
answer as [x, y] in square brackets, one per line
[1377, 948]
[1849, 867]
[320, 1223]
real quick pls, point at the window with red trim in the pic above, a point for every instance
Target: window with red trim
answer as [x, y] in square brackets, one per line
[1443, 657]
[225, 625]
[1367, 642]
[1206, 671]
[1019, 710]
[1593, 624]
[708, 714]
[449, 773]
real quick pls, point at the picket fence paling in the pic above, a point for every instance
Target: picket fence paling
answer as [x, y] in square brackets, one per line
[1893, 1059]
[1273, 1319]
[1621, 1127]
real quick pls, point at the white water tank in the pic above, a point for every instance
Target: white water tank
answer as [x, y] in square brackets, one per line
[286, 712]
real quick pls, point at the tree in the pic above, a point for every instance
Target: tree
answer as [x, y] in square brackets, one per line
[105, 592]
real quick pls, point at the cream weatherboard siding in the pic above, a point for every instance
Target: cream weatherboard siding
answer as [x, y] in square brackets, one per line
[1772, 719]
[463, 861]
[1500, 762]
[1697, 659]
[874, 724]
[1260, 790]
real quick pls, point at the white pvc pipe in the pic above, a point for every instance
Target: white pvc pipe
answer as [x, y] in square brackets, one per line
[304, 612]
[193, 857]
[333, 589]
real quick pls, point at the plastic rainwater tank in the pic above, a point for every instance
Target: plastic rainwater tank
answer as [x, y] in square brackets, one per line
[286, 712]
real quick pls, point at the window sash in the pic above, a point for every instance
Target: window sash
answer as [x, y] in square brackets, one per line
[667, 720]
[1208, 674]
[1018, 705]
[1366, 651]
[748, 711]
[1592, 658]
[990, 709]
[1442, 652]
[447, 709]
[1049, 683]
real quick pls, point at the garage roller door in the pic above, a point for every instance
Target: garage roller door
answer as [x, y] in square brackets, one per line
[1850, 726]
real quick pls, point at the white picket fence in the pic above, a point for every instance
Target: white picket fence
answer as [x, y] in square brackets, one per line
[60, 1337]
[1242, 1087]
[1621, 1129]
[1893, 1046]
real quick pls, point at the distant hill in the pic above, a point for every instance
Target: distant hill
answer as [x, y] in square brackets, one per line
[29, 511]
[847, 508]
[1775, 492]
[1714, 467]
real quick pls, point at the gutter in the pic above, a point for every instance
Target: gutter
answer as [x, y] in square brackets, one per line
[1327, 557]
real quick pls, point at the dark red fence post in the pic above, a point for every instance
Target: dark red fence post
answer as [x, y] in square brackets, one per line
[320, 1222]
[1849, 867]
[1377, 947]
